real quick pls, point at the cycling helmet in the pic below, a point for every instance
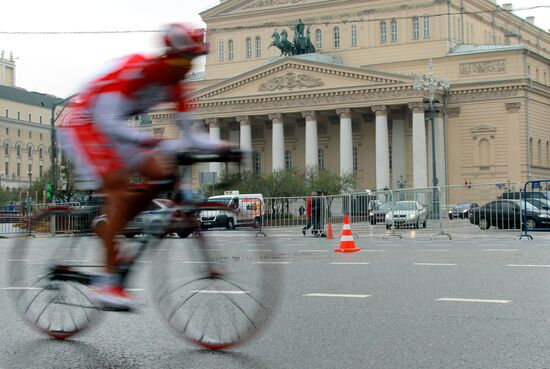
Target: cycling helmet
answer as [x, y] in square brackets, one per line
[180, 38]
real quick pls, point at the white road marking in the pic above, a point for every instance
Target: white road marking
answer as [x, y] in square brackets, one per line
[21, 288]
[529, 265]
[452, 299]
[504, 250]
[335, 295]
[435, 264]
[220, 292]
[16, 260]
[311, 250]
[433, 250]
[259, 250]
[272, 262]
[135, 289]
[338, 263]
[373, 250]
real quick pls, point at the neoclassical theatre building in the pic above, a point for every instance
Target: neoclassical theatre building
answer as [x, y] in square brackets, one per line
[350, 104]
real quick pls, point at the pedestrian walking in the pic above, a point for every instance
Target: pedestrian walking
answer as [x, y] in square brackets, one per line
[309, 212]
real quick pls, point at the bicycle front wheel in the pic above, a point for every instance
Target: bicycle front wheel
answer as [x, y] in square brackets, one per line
[215, 292]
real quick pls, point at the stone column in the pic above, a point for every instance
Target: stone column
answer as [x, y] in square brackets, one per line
[420, 169]
[399, 153]
[312, 145]
[382, 148]
[215, 134]
[346, 141]
[278, 132]
[246, 143]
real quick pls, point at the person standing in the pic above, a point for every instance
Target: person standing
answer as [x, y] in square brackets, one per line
[309, 213]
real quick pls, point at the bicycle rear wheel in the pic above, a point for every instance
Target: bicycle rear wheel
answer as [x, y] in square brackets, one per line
[216, 293]
[47, 282]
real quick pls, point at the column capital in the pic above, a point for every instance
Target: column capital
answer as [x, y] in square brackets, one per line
[344, 113]
[244, 120]
[213, 122]
[379, 109]
[416, 107]
[309, 115]
[276, 117]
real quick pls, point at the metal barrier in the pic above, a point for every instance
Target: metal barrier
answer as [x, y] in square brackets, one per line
[535, 205]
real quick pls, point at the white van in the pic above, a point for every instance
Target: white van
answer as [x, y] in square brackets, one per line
[250, 210]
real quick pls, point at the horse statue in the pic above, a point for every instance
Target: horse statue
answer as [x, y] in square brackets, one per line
[302, 42]
[281, 41]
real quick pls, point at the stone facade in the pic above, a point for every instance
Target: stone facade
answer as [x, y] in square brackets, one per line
[351, 107]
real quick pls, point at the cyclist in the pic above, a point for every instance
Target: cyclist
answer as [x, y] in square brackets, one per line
[106, 151]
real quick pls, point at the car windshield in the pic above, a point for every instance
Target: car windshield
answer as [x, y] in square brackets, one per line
[463, 205]
[385, 206]
[405, 206]
[526, 205]
[223, 200]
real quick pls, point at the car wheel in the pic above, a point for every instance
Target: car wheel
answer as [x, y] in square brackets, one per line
[129, 235]
[388, 226]
[372, 222]
[184, 233]
[230, 224]
[451, 216]
[425, 223]
[416, 225]
[531, 223]
[484, 224]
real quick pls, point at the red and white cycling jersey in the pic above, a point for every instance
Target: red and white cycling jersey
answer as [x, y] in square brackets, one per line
[96, 134]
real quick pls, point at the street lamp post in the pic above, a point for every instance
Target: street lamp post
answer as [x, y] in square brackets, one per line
[430, 84]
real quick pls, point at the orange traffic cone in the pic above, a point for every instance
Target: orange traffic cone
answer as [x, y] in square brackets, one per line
[347, 243]
[330, 235]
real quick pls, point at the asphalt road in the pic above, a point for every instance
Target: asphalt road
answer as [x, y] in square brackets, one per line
[407, 303]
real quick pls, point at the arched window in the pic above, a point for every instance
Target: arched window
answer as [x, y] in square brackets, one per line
[248, 48]
[221, 51]
[321, 160]
[230, 50]
[427, 27]
[383, 32]
[7, 149]
[336, 37]
[416, 28]
[29, 152]
[18, 151]
[41, 153]
[319, 38]
[288, 160]
[258, 47]
[355, 159]
[394, 31]
[353, 35]
[484, 154]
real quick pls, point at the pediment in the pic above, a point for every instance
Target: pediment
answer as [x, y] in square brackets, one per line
[291, 75]
[483, 129]
[234, 7]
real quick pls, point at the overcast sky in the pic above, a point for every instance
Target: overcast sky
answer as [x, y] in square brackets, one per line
[58, 63]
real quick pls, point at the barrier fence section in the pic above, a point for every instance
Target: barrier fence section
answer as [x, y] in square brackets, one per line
[535, 205]
[478, 208]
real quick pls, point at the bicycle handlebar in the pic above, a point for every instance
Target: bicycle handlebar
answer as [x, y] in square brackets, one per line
[222, 156]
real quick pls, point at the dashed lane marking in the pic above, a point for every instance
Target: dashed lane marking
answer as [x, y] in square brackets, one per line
[487, 301]
[434, 264]
[436, 250]
[342, 263]
[500, 250]
[335, 295]
[529, 265]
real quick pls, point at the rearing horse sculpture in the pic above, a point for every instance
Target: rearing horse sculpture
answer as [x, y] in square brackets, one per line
[281, 42]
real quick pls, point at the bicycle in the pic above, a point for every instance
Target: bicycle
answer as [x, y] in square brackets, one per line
[214, 298]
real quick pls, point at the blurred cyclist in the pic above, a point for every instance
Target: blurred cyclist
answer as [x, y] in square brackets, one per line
[105, 150]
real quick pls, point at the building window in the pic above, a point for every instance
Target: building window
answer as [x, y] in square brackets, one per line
[41, 137]
[18, 115]
[355, 159]
[319, 38]
[7, 131]
[394, 31]
[40, 153]
[336, 37]
[321, 159]
[6, 168]
[18, 133]
[18, 170]
[258, 47]
[353, 35]
[18, 151]
[6, 149]
[230, 50]
[484, 151]
[40, 170]
[383, 33]
[30, 117]
[257, 163]
[30, 134]
[426, 27]
[416, 28]
[40, 119]
[29, 152]
[288, 160]
[29, 172]
[249, 48]
[221, 51]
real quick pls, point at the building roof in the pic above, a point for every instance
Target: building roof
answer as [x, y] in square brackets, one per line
[474, 49]
[23, 96]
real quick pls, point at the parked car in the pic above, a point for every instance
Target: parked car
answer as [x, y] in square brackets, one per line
[461, 210]
[378, 214]
[407, 214]
[161, 215]
[506, 214]
[248, 210]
